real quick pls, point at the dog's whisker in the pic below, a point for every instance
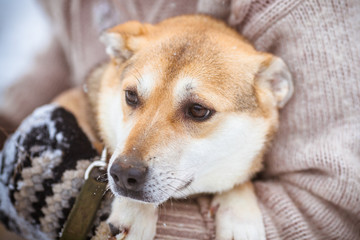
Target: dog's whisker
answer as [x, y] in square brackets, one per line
[177, 190]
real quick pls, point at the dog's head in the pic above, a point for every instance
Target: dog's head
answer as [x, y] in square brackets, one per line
[186, 106]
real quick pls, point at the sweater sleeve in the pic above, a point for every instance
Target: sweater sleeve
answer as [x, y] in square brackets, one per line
[310, 186]
[47, 77]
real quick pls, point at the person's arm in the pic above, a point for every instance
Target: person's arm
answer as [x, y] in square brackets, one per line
[48, 77]
[47, 71]
[311, 186]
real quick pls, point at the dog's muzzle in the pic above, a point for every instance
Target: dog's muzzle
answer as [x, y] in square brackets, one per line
[128, 174]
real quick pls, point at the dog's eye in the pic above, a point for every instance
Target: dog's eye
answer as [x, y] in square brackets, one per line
[198, 112]
[131, 98]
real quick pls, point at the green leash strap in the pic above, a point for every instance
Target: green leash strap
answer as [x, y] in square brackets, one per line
[83, 212]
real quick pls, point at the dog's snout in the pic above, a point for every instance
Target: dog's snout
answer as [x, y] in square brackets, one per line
[129, 173]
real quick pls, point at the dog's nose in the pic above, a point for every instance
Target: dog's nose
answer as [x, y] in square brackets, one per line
[129, 172]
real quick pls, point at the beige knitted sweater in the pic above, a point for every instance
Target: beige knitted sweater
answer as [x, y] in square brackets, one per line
[310, 188]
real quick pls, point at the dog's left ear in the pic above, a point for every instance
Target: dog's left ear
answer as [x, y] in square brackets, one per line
[123, 40]
[275, 75]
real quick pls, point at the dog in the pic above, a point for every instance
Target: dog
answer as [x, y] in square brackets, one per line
[186, 106]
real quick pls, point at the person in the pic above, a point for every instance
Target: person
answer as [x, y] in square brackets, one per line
[310, 186]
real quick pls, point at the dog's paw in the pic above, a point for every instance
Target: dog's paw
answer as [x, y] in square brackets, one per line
[132, 220]
[237, 215]
[231, 225]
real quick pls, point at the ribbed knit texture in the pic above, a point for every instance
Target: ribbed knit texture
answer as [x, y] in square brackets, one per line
[310, 187]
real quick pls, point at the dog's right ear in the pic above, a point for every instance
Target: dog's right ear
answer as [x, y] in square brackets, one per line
[123, 40]
[275, 76]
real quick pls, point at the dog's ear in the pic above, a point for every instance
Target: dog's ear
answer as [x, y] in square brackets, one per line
[275, 75]
[123, 40]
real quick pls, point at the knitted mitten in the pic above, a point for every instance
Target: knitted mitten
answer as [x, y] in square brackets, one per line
[42, 170]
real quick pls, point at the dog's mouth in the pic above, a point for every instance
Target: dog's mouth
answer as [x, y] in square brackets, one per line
[151, 193]
[135, 195]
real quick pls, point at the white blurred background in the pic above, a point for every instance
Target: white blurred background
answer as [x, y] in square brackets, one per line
[24, 30]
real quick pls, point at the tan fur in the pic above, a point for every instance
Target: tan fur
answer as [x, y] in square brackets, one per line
[184, 45]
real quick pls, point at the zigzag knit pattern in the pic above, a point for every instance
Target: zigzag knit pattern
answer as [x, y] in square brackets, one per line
[42, 171]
